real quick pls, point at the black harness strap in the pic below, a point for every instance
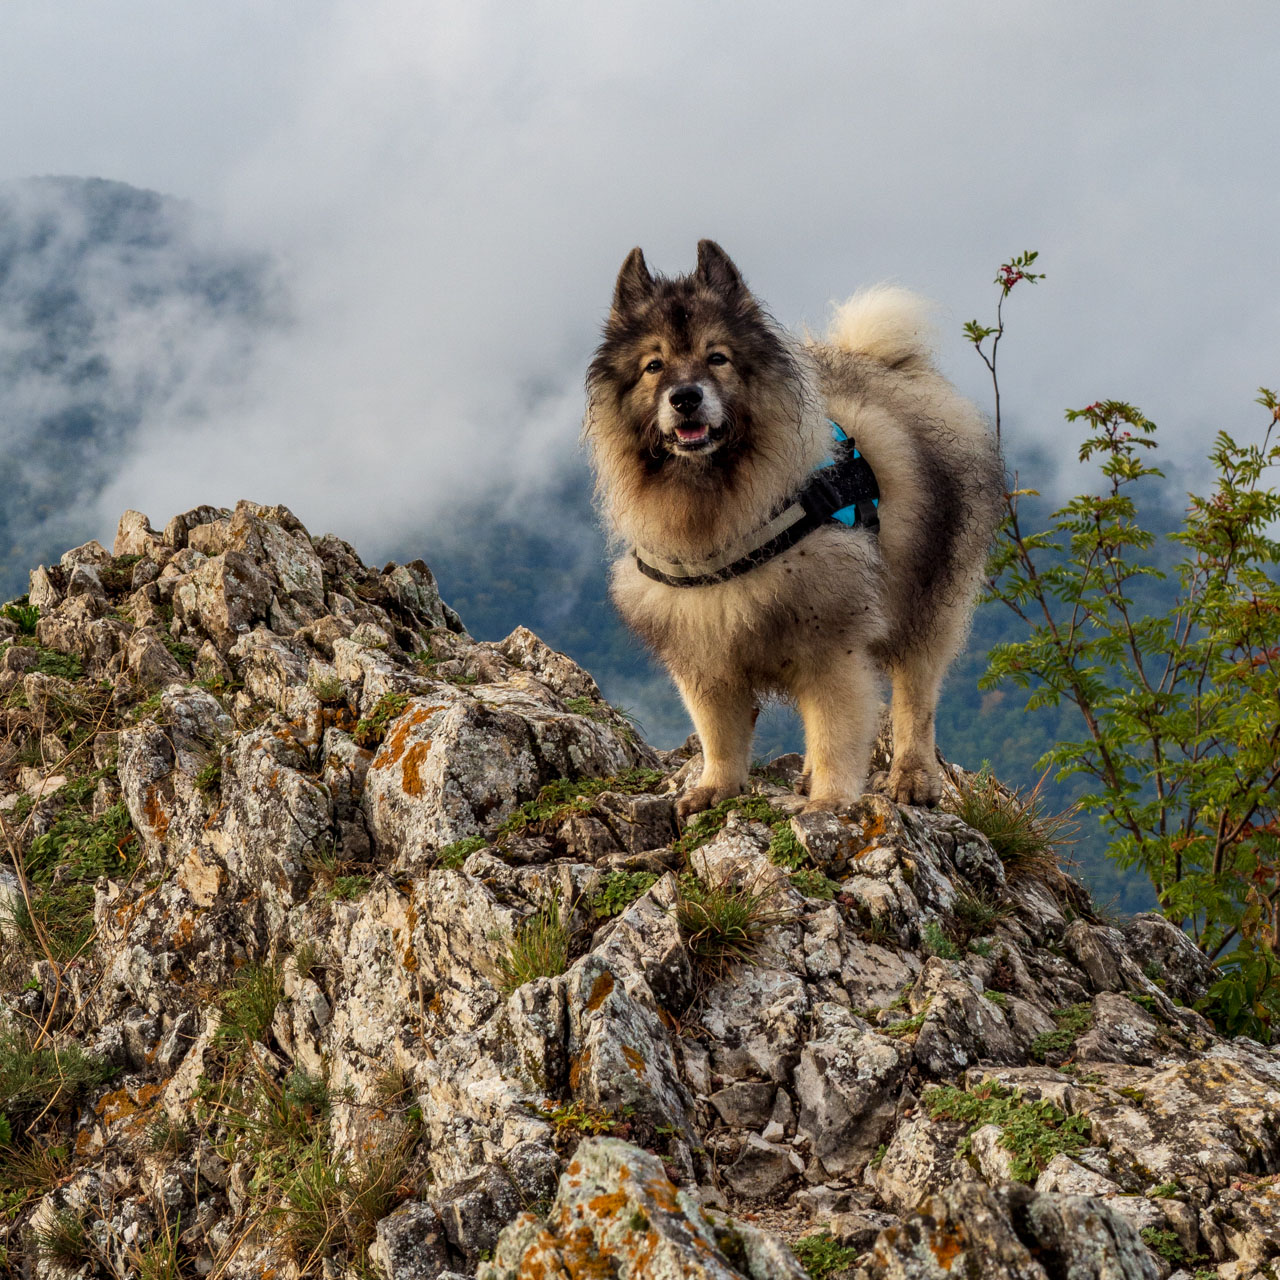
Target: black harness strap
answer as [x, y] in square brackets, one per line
[845, 490]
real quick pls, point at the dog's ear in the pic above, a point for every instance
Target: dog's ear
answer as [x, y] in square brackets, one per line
[635, 283]
[715, 268]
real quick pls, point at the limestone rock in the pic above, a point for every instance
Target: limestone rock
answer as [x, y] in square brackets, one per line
[616, 1213]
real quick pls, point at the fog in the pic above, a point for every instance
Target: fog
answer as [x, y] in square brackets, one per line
[448, 190]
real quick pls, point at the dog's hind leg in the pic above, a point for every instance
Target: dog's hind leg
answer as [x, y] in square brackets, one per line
[724, 715]
[839, 704]
[914, 777]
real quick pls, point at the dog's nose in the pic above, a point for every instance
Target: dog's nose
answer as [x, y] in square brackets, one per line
[685, 399]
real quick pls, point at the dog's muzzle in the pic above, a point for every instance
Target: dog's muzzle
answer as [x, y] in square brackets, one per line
[691, 418]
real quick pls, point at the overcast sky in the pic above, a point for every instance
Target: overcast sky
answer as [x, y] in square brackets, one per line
[453, 186]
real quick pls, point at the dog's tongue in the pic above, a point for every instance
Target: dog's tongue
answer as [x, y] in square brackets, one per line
[698, 432]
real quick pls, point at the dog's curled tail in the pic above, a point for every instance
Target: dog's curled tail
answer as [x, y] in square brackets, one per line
[889, 324]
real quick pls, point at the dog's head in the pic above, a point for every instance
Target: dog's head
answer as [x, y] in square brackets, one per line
[686, 363]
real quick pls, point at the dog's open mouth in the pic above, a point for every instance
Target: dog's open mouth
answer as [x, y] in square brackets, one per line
[693, 433]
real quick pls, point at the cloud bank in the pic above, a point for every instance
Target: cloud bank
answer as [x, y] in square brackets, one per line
[450, 188]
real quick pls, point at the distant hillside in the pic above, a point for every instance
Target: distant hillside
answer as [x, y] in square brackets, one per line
[109, 297]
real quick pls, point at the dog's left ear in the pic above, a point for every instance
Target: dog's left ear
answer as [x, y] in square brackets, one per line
[715, 268]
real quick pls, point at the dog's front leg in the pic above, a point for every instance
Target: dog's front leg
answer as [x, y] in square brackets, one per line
[723, 714]
[839, 703]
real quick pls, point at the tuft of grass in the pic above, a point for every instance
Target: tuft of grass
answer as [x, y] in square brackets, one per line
[65, 1241]
[37, 1079]
[539, 948]
[822, 1255]
[209, 779]
[62, 865]
[1073, 1021]
[977, 914]
[1023, 836]
[936, 943]
[249, 1005]
[184, 653]
[619, 890]
[455, 854]
[371, 729]
[1032, 1132]
[724, 923]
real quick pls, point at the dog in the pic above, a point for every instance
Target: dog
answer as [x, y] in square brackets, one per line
[707, 425]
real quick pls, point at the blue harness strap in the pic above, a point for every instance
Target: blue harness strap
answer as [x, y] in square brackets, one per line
[843, 489]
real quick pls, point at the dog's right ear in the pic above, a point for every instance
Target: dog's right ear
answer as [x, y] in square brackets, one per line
[635, 283]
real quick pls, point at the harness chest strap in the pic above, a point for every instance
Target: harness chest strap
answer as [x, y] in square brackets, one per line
[844, 490]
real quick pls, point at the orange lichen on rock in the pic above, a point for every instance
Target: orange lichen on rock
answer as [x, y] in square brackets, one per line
[397, 741]
[635, 1059]
[577, 1067]
[411, 780]
[154, 812]
[600, 989]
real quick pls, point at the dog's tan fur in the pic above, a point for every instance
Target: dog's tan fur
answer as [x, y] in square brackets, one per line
[819, 622]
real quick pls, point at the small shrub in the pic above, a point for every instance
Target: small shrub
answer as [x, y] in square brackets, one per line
[619, 890]
[371, 729]
[1245, 1000]
[814, 884]
[558, 800]
[1073, 1022]
[704, 826]
[329, 689]
[455, 854]
[1032, 1132]
[348, 888]
[539, 948]
[785, 850]
[1164, 1243]
[821, 1255]
[723, 923]
[24, 615]
[53, 663]
[577, 1118]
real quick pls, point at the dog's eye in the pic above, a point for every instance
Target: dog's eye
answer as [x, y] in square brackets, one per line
[717, 357]
[654, 366]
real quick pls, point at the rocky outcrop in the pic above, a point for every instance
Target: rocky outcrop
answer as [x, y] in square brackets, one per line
[335, 942]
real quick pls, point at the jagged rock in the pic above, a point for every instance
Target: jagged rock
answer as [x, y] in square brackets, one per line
[296, 834]
[1169, 957]
[411, 1244]
[920, 1159]
[1015, 1234]
[764, 1170]
[847, 1086]
[616, 1213]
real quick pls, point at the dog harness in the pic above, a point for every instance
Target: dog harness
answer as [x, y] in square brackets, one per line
[843, 489]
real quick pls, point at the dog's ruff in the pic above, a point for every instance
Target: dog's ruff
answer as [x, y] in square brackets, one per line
[844, 489]
[705, 420]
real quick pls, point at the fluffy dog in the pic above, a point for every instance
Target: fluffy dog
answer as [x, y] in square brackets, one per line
[704, 421]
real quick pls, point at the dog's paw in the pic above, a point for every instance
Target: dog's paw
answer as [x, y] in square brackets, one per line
[828, 803]
[700, 798]
[915, 784]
